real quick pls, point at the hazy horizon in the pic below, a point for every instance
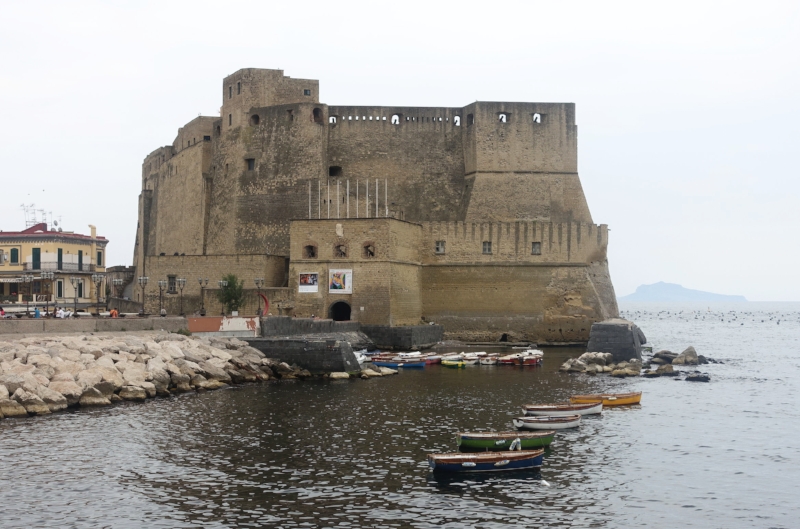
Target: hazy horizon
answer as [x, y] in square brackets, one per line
[687, 113]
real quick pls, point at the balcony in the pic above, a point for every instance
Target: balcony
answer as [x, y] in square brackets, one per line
[53, 267]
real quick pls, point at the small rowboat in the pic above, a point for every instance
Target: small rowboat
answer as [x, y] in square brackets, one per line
[395, 365]
[433, 359]
[547, 423]
[609, 399]
[500, 441]
[486, 461]
[529, 357]
[411, 354]
[560, 410]
[453, 363]
[453, 357]
[490, 360]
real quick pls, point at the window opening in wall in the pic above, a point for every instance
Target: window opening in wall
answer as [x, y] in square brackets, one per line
[487, 247]
[60, 289]
[396, 119]
[80, 260]
[310, 252]
[172, 286]
[536, 248]
[332, 120]
[457, 121]
[306, 92]
[99, 258]
[369, 250]
[340, 251]
[255, 119]
[334, 170]
[470, 119]
[502, 117]
[80, 289]
[439, 248]
[537, 118]
[230, 92]
[206, 138]
[290, 113]
[317, 114]
[219, 130]
[339, 311]
[238, 88]
[230, 119]
[251, 164]
[194, 141]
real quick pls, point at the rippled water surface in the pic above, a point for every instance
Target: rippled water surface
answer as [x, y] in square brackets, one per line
[352, 453]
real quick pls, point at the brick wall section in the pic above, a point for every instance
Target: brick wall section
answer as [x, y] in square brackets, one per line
[316, 356]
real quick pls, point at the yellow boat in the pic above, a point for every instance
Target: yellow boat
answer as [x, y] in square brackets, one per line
[609, 399]
[453, 363]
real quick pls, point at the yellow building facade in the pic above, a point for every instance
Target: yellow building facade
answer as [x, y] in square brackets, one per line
[29, 257]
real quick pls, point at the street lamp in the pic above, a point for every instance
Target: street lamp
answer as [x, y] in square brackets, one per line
[222, 284]
[118, 286]
[259, 281]
[143, 283]
[202, 297]
[27, 279]
[47, 276]
[181, 281]
[162, 284]
[97, 279]
[75, 280]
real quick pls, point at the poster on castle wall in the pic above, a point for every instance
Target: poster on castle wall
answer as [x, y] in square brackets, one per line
[340, 281]
[309, 282]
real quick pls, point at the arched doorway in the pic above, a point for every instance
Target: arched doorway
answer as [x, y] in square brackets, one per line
[340, 311]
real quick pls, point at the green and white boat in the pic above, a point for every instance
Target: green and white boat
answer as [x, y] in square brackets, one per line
[501, 441]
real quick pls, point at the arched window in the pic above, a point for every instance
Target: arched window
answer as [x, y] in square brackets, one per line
[502, 117]
[369, 250]
[310, 252]
[396, 119]
[340, 251]
[332, 120]
[470, 119]
[457, 121]
[219, 130]
[317, 114]
[537, 118]
[254, 119]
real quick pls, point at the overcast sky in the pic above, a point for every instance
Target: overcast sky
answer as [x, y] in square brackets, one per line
[688, 113]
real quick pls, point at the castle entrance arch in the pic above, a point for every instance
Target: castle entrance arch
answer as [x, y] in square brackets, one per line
[339, 311]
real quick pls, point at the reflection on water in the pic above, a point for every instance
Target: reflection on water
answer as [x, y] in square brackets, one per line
[353, 453]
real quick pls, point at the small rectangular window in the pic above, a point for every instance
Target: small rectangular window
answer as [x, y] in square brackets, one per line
[99, 258]
[306, 92]
[14, 256]
[2, 258]
[439, 247]
[487, 247]
[230, 92]
[171, 285]
[230, 119]
[536, 248]
[238, 88]
[251, 164]
[206, 138]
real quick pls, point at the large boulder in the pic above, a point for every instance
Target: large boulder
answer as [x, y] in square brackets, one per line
[93, 397]
[697, 377]
[133, 393]
[54, 400]
[573, 365]
[11, 408]
[622, 338]
[71, 391]
[3, 392]
[666, 370]
[687, 357]
[31, 402]
[213, 372]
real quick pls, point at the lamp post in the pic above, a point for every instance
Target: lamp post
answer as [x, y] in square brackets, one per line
[47, 276]
[162, 284]
[98, 280]
[27, 279]
[118, 286]
[75, 280]
[181, 281]
[143, 283]
[259, 281]
[222, 284]
[203, 285]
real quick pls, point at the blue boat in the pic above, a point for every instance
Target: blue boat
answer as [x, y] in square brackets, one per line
[486, 461]
[395, 365]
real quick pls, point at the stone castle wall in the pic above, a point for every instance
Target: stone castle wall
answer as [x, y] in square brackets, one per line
[496, 172]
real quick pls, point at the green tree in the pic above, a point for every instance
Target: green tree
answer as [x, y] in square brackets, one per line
[231, 295]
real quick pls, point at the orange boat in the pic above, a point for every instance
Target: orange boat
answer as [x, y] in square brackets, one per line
[609, 399]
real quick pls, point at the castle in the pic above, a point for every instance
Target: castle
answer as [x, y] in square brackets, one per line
[470, 217]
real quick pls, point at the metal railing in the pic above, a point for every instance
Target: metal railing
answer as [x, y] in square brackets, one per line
[65, 267]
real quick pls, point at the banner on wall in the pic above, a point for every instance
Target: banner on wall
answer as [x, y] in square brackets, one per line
[309, 282]
[340, 281]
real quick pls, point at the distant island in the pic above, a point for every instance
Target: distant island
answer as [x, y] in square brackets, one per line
[671, 292]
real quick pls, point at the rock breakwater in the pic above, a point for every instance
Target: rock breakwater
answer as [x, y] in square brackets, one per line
[45, 374]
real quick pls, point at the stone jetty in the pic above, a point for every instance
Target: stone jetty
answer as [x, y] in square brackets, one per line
[45, 374]
[594, 363]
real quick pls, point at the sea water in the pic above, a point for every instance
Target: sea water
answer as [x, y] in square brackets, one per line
[353, 453]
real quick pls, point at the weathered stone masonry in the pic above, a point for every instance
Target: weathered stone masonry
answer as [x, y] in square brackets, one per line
[492, 233]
